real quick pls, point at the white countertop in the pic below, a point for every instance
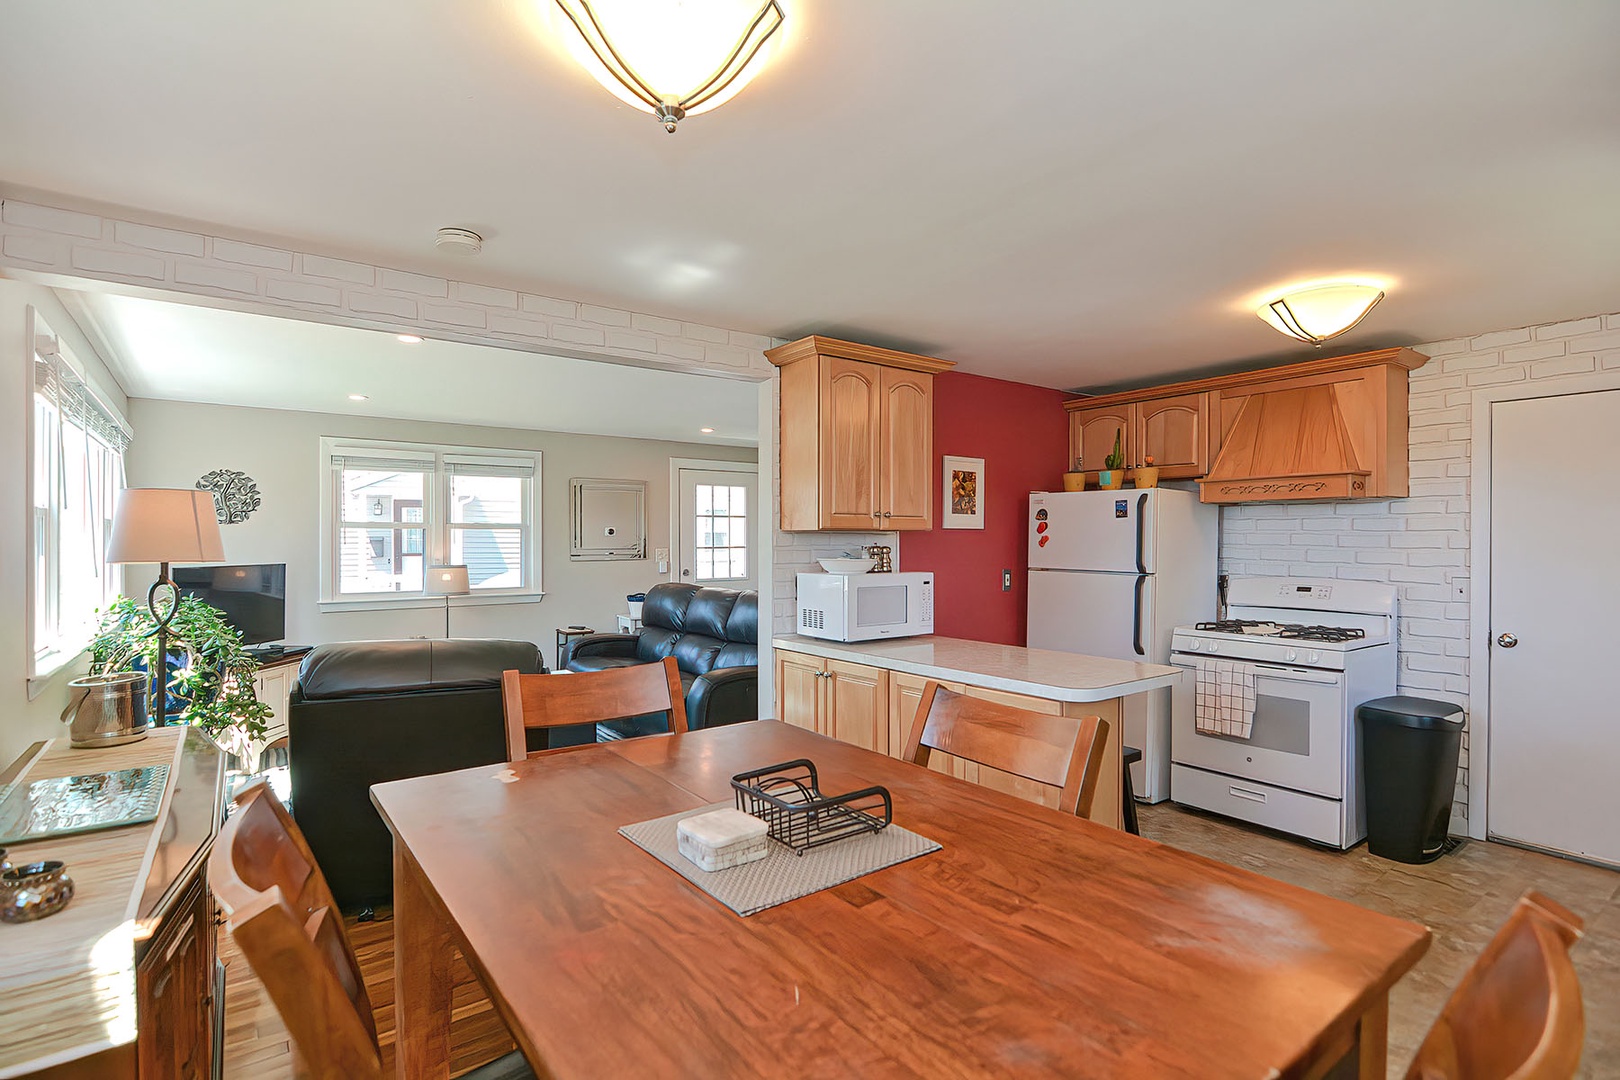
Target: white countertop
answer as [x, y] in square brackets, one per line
[1044, 673]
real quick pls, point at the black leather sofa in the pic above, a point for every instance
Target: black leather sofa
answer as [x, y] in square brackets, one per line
[365, 712]
[713, 634]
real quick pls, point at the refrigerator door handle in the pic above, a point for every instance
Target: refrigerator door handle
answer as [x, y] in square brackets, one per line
[1136, 617]
[1141, 529]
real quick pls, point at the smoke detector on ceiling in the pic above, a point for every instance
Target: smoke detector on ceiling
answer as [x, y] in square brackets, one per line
[459, 241]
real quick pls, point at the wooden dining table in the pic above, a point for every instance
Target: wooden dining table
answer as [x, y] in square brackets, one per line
[1032, 943]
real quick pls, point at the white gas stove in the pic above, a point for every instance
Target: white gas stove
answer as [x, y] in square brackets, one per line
[1316, 650]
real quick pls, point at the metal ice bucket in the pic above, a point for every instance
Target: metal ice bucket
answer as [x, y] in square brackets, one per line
[105, 710]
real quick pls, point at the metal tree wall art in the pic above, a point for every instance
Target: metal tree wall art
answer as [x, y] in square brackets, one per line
[235, 494]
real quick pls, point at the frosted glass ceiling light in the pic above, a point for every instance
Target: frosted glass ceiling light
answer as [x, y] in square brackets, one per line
[1322, 312]
[673, 58]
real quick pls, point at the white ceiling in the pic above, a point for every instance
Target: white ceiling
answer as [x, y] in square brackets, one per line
[1058, 192]
[186, 353]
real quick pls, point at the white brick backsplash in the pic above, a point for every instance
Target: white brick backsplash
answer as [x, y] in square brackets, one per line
[234, 251]
[606, 316]
[683, 350]
[419, 284]
[652, 324]
[698, 332]
[170, 240]
[580, 335]
[33, 249]
[93, 260]
[483, 295]
[216, 277]
[401, 307]
[1420, 544]
[631, 341]
[50, 219]
[546, 305]
[454, 314]
[518, 325]
[750, 341]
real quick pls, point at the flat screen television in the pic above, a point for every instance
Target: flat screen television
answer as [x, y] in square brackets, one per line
[253, 598]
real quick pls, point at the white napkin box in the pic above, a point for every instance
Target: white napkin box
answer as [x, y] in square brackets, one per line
[722, 838]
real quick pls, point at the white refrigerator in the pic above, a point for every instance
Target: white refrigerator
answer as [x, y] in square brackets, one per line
[1112, 573]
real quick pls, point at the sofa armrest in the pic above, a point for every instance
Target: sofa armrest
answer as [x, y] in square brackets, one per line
[599, 645]
[723, 696]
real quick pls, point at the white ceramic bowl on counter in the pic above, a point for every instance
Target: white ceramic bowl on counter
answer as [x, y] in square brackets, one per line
[847, 566]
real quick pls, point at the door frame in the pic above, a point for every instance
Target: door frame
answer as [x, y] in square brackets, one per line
[1479, 571]
[707, 465]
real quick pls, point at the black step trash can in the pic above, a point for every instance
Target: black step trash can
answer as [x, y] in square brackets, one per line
[1409, 749]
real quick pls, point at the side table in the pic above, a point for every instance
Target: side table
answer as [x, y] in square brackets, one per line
[565, 634]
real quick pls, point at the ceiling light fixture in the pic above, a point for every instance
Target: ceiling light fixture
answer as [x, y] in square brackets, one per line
[458, 241]
[706, 430]
[359, 397]
[410, 339]
[1321, 312]
[673, 60]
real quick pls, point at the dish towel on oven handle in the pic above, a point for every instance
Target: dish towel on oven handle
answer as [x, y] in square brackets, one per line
[1225, 699]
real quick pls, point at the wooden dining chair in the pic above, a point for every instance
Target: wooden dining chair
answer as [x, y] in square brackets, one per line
[1063, 751]
[1517, 1012]
[279, 912]
[566, 699]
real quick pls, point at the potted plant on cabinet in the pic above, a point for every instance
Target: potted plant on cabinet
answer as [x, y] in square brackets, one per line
[1146, 475]
[210, 674]
[1113, 474]
[1076, 480]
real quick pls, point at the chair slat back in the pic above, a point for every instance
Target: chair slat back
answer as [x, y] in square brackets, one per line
[1063, 751]
[280, 913]
[1517, 1012]
[587, 697]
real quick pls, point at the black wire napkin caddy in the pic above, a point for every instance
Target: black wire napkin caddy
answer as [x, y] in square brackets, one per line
[787, 797]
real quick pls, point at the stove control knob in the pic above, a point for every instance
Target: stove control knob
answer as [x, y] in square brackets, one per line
[1292, 656]
[1313, 657]
[1214, 646]
[1195, 645]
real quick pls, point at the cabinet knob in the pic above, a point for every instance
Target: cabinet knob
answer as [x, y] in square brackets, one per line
[887, 514]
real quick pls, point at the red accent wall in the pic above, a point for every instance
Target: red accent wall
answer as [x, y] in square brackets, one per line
[1022, 433]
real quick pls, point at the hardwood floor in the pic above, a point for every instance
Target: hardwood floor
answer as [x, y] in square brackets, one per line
[1462, 898]
[256, 1043]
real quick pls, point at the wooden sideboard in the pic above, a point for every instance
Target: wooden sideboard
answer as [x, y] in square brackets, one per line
[857, 436]
[123, 982]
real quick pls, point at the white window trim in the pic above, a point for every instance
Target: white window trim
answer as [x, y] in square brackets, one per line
[45, 668]
[436, 535]
[710, 465]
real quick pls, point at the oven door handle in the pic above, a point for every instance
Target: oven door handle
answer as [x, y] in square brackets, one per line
[1266, 671]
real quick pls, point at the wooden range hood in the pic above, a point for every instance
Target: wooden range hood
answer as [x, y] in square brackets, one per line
[1332, 429]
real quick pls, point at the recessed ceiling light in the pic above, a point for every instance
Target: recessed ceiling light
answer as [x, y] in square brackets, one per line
[706, 430]
[359, 397]
[410, 339]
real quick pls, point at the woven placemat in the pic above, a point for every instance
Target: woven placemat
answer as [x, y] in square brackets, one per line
[780, 876]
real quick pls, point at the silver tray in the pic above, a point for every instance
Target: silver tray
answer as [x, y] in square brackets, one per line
[36, 809]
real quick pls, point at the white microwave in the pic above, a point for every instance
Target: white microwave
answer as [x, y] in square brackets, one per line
[862, 607]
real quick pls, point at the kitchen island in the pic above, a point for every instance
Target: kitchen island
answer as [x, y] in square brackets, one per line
[866, 693]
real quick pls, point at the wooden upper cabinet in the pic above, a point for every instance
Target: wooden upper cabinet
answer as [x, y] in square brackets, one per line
[1323, 429]
[857, 436]
[906, 451]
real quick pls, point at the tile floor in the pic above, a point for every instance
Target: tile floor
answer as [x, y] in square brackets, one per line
[1462, 898]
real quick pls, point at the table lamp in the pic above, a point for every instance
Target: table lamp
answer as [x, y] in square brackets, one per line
[163, 526]
[446, 581]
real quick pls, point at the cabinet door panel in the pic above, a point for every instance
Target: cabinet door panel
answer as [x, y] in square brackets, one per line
[906, 496]
[1092, 434]
[798, 689]
[858, 705]
[905, 695]
[1175, 430]
[850, 425]
[174, 988]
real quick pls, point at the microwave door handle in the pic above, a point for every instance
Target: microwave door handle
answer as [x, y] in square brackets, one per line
[1136, 617]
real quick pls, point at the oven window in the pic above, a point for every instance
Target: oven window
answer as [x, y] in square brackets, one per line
[1282, 724]
[880, 605]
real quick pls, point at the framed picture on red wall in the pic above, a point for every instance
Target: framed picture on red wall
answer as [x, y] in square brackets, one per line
[963, 499]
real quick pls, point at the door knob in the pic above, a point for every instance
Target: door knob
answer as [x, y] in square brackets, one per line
[1507, 641]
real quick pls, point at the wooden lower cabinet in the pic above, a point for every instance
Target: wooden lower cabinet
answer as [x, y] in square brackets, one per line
[874, 708]
[174, 988]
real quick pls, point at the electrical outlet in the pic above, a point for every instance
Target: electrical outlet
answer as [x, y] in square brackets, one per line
[661, 555]
[1459, 588]
[1006, 581]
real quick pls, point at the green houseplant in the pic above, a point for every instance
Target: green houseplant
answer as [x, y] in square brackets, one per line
[211, 673]
[1113, 474]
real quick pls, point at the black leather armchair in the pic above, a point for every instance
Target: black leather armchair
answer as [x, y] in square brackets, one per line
[713, 634]
[365, 712]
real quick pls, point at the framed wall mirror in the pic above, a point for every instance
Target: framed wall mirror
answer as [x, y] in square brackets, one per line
[608, 519]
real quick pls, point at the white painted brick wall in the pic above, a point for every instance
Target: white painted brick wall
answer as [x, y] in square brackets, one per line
[58, 242]
[1420, 543]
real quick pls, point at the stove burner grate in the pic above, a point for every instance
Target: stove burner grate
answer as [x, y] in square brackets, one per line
[1294, 631]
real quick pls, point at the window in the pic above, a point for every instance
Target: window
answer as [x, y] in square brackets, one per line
[392, 509]
[721, 532]
[76, 444]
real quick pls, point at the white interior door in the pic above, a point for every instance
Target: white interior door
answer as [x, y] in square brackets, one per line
[715, 519]
[1555, 586]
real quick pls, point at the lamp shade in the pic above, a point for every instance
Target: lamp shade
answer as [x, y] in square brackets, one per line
[446, 581]
[1321, 312]
[164, 525]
